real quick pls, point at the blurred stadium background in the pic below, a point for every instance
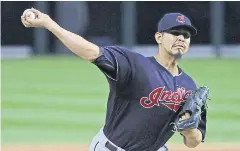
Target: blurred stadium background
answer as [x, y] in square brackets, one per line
[50, 97]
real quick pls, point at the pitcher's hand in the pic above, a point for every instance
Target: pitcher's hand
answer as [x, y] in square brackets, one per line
[42, 20]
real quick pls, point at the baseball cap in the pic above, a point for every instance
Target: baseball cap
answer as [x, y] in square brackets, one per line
[173, 20]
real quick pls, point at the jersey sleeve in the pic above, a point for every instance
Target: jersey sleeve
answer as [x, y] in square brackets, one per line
[114, 62]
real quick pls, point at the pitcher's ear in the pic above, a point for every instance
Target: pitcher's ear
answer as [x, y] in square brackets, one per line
[158, 37]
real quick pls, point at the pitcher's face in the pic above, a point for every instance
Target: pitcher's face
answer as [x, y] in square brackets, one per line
[175, 41]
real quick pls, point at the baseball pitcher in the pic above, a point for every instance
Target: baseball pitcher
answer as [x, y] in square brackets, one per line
[150, 98]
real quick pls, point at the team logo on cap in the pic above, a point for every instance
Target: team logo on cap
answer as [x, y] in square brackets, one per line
[180, 19]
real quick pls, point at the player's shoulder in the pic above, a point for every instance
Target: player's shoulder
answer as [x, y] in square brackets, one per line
[189, 78]
[122, 50]
[116, 48]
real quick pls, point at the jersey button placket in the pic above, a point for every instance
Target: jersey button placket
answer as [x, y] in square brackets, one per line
[175, 83]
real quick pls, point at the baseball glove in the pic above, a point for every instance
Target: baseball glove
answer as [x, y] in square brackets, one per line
[194, 105]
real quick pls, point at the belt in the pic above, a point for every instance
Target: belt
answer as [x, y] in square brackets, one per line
[109, 146]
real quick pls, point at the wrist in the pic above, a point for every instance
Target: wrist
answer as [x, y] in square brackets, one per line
[192, 134]
[49, 24]
[192, 137]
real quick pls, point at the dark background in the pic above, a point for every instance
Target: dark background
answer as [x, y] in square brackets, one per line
[105, 20]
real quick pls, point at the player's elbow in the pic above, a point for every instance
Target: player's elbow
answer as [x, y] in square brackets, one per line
[89, 55]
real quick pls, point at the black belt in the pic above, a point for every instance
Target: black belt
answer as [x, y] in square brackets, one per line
[109, 146]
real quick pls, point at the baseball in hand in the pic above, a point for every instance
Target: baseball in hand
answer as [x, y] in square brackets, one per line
[28, 13]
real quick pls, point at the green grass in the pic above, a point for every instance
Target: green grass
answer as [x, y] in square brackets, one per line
[63, 99]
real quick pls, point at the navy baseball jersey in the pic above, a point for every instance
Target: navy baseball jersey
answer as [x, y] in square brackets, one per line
[144, 99]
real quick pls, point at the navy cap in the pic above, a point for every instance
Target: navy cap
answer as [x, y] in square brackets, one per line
[173, 20]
